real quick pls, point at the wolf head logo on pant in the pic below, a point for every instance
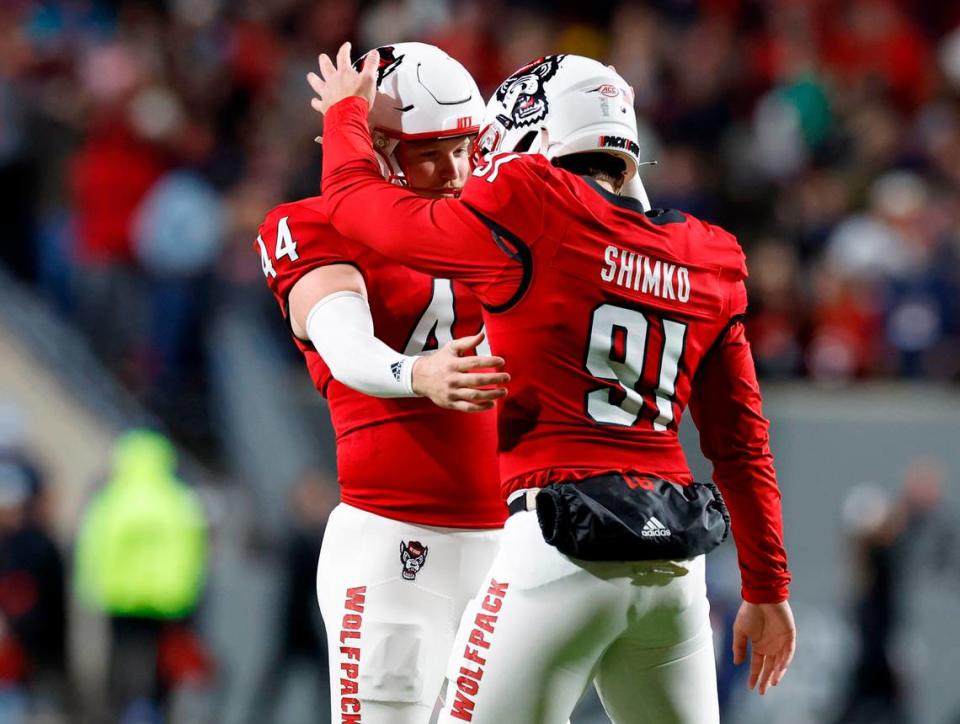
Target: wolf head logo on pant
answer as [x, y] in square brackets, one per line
[412, 555]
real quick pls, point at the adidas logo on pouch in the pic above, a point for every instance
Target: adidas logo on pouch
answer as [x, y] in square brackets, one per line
[653, 528]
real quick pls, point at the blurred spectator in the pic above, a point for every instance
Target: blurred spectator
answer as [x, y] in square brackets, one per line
[938, 549]
[877, 691]
[141, 560]
[17, 178]
[302, 644]
[902, 254]
[882, 530]
[110, 174]
[177, 233]
[845, 324]
[877, 245]
[875, 44]
[777, 315]
[33, 620]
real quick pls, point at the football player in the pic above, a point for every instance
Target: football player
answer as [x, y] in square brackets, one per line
[613, 319]
[417, 526]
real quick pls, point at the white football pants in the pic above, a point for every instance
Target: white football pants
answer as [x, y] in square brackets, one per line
[543, 626]
[392, 595]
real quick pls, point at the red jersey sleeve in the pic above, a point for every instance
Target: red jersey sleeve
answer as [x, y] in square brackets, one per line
[726, 406]
[720, 247]
[508, 191]
[440, 237]
[294, 239]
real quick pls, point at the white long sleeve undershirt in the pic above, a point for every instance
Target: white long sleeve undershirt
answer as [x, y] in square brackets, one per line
[341, 328]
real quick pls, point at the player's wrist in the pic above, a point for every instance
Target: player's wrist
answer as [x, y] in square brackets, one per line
[763, 595]
[408, 375]
[416, 373]
[348, 104]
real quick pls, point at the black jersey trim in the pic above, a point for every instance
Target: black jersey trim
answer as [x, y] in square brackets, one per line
[662, 217]
[659, 217]
[502, 245]
[520, 252]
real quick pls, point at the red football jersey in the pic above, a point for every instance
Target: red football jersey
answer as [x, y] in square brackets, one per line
[621, 305]
[612, 321]
[403, 458]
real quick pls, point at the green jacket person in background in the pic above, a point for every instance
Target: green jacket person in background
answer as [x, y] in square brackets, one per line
[141, 559]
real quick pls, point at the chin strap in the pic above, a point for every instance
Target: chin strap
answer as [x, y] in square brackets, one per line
[542, 143]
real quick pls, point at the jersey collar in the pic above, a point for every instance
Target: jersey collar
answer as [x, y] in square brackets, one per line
[624, 202]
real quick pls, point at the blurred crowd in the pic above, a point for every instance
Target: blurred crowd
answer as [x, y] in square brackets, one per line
[891, 539]
[33, 593]
[140, 561]
[107, 621]
[142, 556]
[142, 141]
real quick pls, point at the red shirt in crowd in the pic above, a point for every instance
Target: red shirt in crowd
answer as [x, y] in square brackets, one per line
[109, 176]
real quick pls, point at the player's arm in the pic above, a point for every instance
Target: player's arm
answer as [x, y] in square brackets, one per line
[434, 236]
[439, 237]
[726, 407]
[324, 297]
[328, 306]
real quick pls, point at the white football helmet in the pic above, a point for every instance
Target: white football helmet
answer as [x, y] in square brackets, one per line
[422, 93]
[564, 104]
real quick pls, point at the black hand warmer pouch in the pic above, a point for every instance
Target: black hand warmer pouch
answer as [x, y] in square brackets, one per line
[625, 518]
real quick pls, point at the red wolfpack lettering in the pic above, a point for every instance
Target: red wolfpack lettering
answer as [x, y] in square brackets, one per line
[350, 655]
[468, 683]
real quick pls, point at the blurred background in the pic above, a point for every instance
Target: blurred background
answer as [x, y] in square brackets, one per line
[141, 143]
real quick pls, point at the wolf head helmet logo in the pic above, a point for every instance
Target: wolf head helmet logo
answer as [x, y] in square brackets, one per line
[524, 94]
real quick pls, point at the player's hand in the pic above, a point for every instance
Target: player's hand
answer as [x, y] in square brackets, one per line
[340, 81]
[772, 634]
[448, 378]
